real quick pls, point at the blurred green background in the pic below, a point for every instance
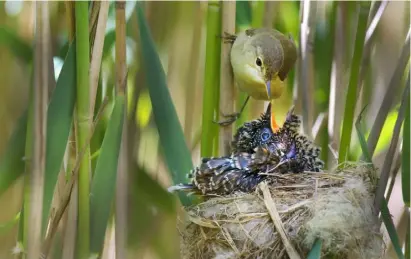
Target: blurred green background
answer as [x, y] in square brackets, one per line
[179, 32]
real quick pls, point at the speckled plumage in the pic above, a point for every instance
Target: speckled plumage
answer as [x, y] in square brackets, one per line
[257, 152]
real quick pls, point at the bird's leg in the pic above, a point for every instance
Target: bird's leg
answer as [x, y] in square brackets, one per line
[274, 125]
[228, 37]
[232, 117]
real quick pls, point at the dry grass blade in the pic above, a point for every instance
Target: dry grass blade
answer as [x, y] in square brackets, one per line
[39, 129]
[226, 78]
[122, 169]
[269, 203]
[94, 16]
[386, 104]
[97, 52]
[385, 171]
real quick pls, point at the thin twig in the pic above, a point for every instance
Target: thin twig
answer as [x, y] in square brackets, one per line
[269, 203]
[385, 171]
[386, 104]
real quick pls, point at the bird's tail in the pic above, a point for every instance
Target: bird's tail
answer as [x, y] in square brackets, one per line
[181, 187]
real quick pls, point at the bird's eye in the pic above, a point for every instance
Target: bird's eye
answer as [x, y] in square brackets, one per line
[265, 135]
[258, 62]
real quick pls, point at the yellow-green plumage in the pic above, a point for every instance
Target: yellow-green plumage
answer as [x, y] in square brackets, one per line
[277, 53]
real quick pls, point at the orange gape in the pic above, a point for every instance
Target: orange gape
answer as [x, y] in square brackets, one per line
[274, 125]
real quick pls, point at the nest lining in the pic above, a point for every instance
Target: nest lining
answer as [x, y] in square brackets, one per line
[335, 207]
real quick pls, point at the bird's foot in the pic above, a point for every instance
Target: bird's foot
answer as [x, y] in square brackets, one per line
[231, 118]
[228, 37]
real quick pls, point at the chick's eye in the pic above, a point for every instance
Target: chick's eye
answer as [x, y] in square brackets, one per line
[258, 62]
[265, 135]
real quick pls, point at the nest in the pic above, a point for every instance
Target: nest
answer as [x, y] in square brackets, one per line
[284, 219]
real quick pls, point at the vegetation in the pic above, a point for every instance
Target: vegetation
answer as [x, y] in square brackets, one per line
[106, 108]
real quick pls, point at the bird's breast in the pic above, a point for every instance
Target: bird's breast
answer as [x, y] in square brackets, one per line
[258, 90]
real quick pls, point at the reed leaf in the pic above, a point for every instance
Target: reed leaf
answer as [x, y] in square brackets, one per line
[392, 232]
[59, 121]
[176, 154]
[361, 138]
[104, 179]
[351, 97]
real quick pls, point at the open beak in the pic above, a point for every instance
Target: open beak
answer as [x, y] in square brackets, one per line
[268, 88]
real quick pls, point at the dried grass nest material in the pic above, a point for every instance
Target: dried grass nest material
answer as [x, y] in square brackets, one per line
[335, 207]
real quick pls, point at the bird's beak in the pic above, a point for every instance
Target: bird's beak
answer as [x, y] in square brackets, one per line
[268, 88]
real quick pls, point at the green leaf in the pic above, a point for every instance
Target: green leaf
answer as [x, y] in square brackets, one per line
[361, 138]
[352, 87]
[177, 155]
[21, 49]
[104, 179]
[406, 157]
[392, 232]
[12, 163]
[59, 121]
[315, 250]
[243, 13]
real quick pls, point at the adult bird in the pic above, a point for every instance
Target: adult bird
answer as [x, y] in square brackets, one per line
[261, 60]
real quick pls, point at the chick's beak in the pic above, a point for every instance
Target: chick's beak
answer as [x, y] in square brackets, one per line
[268, 88]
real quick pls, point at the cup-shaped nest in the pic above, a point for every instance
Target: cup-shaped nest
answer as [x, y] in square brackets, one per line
[334, 207]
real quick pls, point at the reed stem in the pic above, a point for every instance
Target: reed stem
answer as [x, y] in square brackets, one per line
[84, 122]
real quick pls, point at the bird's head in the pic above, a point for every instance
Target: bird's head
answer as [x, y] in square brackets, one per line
[258, 133]
[270, 58]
